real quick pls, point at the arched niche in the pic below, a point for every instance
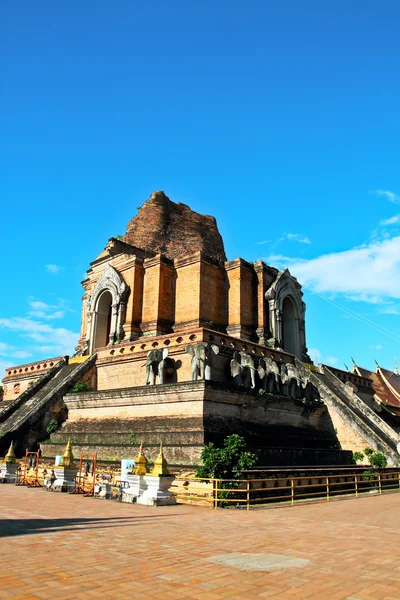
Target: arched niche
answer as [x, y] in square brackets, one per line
[287, 315]
[290, 341]
[102, 322]
[106, 310]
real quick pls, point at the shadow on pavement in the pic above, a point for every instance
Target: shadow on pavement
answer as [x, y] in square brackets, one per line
[12, 527]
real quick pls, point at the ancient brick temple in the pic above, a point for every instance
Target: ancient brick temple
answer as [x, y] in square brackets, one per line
[180, 345]
[169, 274]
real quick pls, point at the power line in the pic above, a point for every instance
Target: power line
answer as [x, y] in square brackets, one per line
[362, 319]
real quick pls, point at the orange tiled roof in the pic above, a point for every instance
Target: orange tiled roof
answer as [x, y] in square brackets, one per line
[392, 380]
[386, 386]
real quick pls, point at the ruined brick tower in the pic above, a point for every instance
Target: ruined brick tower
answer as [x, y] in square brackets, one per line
[180, 345]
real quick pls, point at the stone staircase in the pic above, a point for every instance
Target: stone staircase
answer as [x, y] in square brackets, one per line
[24, 420]
[355, 412]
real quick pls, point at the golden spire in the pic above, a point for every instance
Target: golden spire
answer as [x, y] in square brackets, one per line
[68, 457]
[160, 464]
[10, 456]
[140, 463]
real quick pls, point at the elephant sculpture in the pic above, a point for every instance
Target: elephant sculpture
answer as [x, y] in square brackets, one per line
[155, 366]
[291, 381]
[201, 354]
[269, 370]
[309, 391]
[242, 365]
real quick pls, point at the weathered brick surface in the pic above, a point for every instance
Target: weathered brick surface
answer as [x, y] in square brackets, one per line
[162, 226]
[65, 546]
[348, 438]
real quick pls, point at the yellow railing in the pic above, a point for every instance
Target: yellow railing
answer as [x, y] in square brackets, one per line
[248, 493]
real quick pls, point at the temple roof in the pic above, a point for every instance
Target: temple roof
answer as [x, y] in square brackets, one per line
[386, 386]
[174, 230]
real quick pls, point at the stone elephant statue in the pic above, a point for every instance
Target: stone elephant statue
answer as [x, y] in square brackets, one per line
[201, 354]
[291, 381]
[242, 365]
[155, 366]
[309, 391]
[268, 371]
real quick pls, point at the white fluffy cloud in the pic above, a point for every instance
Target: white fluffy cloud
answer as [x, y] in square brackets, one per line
[392, 221]
[35, 335]
[41, 310]
[389, 195]
[55, 269]
[297, 237]
[318, 358]
[367, 273]
[60, 339]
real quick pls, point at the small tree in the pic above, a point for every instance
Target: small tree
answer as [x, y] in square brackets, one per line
[80, 387]
[357, 457]
[376, 459]
[227, 462]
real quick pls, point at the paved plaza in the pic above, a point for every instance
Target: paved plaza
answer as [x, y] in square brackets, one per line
[63, 546]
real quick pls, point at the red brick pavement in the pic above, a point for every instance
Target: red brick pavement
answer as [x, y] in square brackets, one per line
[62, 546]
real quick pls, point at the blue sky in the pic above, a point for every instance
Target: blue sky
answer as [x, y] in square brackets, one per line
[279, 118]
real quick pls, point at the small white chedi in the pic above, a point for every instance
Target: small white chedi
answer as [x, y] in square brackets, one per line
[151, 489]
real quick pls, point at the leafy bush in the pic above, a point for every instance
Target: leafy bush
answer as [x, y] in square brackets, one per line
[52, 426]
[227, 462]
[376, 459]
[357, 456]
[80, 387]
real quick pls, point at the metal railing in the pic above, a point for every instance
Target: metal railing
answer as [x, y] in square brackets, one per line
[252, 493]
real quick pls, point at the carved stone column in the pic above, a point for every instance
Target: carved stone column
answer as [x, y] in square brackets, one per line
[113, 327]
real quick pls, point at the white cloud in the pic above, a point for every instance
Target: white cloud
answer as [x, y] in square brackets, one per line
[391, 221]
[4, 364]
[264, 242]
[21, 354]
[365, 298]
[315, 355]
[297, 237]
[57, 339]
[390, 310]
[389, 195]
[331, 360]
[12, 351]
[41, 310]
[318, 358]
[282, 261]
[55, 269]
[370, 271]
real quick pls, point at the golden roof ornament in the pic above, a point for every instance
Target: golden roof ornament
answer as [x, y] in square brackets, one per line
[160, 464]
[10, 456]
[140, 463]
[67, 458]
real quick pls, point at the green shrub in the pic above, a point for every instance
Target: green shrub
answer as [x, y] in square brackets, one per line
[357, 456]
[376, 459]
[227, 462]
[52, 426]
[80, 387]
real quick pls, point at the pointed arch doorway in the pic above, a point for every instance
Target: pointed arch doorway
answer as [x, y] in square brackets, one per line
[289, 327]
[102, 324]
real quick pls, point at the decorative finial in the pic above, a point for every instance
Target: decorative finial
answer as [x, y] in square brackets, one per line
[353, 361]
[160, 464]
[140, 462]
[67, 458]
[347, 368]
[396, 366]
[10, 456]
